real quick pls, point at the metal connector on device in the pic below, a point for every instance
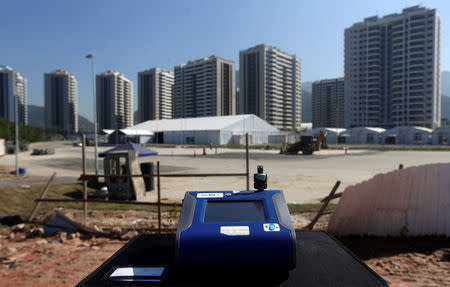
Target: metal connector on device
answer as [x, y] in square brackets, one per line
[260, 179]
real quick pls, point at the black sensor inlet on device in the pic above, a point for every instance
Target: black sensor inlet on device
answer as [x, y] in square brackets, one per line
[260, 179]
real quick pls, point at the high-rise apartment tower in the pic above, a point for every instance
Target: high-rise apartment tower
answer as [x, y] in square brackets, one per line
[114, 101]
[61, 102]
[205, 87]
[328, 103]
[12, 84]
[270, 86]
[392, 70]
[155, 93]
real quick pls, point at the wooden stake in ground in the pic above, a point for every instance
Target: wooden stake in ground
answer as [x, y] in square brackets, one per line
[44, 191]
[325, 201]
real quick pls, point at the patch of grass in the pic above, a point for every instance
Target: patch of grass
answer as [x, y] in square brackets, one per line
[309, 207]
[20, 201]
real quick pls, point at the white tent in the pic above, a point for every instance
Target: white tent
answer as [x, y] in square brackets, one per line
[209, 130]
[363, 135]
[306, 127]
[406, 136]
[330, 133]
[441, 136]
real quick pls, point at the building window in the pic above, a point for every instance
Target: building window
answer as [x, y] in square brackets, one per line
[443, 138]
[370, 138]
[190, 140]
[418, 138]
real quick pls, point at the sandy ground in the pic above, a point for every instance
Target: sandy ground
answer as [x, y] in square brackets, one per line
[304, 179]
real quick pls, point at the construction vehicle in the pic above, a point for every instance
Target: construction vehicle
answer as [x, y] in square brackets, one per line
[321, 142]
[306, 145]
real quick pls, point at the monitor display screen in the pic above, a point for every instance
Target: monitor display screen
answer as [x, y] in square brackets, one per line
[235, 211]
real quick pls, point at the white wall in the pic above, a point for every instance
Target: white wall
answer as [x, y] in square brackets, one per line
[254, 138]
[215, 137]
[200, 137]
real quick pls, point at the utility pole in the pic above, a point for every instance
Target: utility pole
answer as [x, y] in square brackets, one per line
[91, 56]
[16, 103]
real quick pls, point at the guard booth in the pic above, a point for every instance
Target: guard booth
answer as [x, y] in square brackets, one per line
[126, 159]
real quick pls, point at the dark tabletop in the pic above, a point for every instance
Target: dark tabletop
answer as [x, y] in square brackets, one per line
[321, 261]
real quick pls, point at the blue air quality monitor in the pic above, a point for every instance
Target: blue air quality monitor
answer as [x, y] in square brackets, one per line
[236, 228]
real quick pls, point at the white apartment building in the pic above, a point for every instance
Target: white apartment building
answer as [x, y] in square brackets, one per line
[204, 87]
[392, 70]
[155, 93]
[114, 101]
[13, 84]
[328, 103]
[61, 102]
[270, 86]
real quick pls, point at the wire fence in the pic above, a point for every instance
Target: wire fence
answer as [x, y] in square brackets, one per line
[85, 178]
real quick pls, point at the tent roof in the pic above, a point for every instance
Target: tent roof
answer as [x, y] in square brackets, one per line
[136, 132]
[373, 129]
[442, 130]
[124, 148]
[129, 132]
[326, 130]
[396, 130]
[233, 123]
[107, 132]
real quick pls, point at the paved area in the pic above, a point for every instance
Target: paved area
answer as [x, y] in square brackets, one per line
[303, 178]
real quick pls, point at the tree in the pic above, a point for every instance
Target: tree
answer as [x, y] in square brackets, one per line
[26, 133]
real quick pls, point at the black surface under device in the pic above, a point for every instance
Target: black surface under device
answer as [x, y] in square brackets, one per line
[321, 261]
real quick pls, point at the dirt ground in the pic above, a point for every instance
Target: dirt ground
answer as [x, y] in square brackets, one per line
[405, 262]
[61, 261]
[47, 262]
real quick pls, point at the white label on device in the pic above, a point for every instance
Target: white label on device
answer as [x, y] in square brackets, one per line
[210, 195]
[271, 227]
[235, 230]
[138, 272]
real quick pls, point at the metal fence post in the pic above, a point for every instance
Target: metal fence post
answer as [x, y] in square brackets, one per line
[159, 196]
[83, 148]
[246, 161]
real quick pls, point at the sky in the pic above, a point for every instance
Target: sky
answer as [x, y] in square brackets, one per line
[132, 36]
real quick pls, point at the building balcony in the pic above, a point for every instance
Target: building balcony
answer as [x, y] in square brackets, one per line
[417, 43]
[396, 83]
[417, 65]
[416, 23]
[413, 77]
